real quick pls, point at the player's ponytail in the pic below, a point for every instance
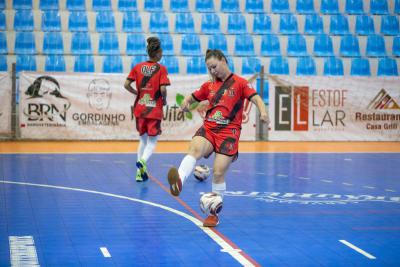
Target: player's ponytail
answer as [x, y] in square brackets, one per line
[153, 46]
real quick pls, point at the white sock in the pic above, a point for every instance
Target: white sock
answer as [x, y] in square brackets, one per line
[149, 149]
[187, 166]
[219, 188]
[142, 145]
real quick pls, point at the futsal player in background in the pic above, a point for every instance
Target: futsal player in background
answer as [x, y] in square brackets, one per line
[151, 81]
[220, 132]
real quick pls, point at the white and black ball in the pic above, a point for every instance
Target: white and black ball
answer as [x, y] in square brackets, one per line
[211, 203]
[201, 172]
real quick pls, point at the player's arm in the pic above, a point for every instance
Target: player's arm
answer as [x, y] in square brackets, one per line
[163, 89]
[128, 86]
[256, 100]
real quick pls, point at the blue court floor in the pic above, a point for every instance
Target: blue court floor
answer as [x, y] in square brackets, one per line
[281, 209]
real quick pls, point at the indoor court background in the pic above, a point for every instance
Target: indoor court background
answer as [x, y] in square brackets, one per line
[288, 204]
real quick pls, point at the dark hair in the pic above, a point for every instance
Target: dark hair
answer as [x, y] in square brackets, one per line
[215, 53]
[153, 46]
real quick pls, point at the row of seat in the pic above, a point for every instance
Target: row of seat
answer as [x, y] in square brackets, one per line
[195, 45]
[233, 23]
[251, 6]
[195, 65]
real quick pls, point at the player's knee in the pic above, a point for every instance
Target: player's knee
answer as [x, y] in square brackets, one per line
[218, 176]
[196, 151]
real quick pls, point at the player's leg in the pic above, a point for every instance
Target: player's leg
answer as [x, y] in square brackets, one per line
[199, 147]
[140, 127]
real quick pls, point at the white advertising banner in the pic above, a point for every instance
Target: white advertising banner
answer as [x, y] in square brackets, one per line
[5, 103]
[74, 106]
[315, 108]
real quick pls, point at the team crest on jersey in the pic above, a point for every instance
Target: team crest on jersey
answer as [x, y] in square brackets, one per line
[148, 70]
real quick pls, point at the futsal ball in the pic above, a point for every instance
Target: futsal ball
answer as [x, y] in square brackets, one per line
[201, 172]
[211, 203]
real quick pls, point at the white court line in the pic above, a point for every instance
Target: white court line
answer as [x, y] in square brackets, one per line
[214, 236]
[282, 175]
[105, 252]
[236, 171]
[369, 187]
[326, 181]
[303, 178]
[348, 159]
[347, 184]
[390, 190]
[359, 250]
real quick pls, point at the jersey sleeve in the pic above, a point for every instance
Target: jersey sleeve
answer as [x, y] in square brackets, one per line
[132, 74]
[164, 80]
[248, 90]
[202, 93]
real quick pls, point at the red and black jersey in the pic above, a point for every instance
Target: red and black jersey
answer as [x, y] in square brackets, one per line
[226, 99]
[149, 76]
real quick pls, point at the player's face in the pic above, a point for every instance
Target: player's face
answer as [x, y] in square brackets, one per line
[216, 67]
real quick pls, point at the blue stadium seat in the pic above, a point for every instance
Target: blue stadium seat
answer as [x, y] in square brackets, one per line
[179, 5]
[296, 45]
[132, 22]
[231, 64]
[210, 23]
[236, 24]
[55, 63]
[22, 4]
[105, 21]
[354, 7]
[25, 63]
[387, 67]
[229, 6]
[78, 21]
[339, 24]
[184, 23]
[53, 43]
[333, 66]
[76, 5]
[390, 25]
[84, 63]
[137, 59]
[25, 43]
[323, 46]
[190, 45]
[101, 5]
[288, 24]
[204, 6]
[254, 6]
[261, 23]
[250, 65]
[349, 46]
[280, 6]
[135, 44]
[313, 24]
[375, 46]
[360, 67]
[81, 43]
[279, 66]
[2, 4]
[48, 4]
[195, 65]
[244, 45]
[218, 41]
[397, 7]
[329, 7]
[171, 63]
[378, 7]
[108, 44]
[305, 6]
[158, 22]
[306, 66]
[167, 44]
[112, 64]
[2, 21]
[3, 63]
[23, 20]
[396, 46]
[153, 5]
[3, 43]
[127, 5]
[364, 25]
[270, 45]
[51, 21]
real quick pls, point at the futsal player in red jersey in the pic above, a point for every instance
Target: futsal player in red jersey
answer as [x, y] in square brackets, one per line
[221, 128]
[151, 80]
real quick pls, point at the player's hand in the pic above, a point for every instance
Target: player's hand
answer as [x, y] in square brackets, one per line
[264, 118]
